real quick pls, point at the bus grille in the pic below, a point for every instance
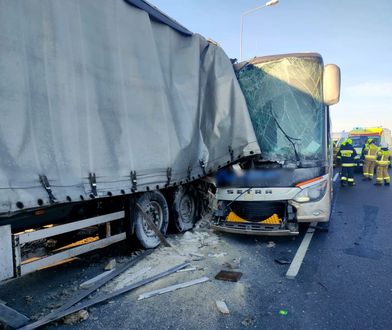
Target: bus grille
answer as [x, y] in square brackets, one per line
[258, 211]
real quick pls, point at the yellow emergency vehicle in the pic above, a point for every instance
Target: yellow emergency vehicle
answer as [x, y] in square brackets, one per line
[360, 135]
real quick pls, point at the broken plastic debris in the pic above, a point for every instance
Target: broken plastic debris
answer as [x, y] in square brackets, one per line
[217, 255]
[271, 244]
[222, 307]
[110, 265]
[77, 317]
[282, 261]
[248, 321]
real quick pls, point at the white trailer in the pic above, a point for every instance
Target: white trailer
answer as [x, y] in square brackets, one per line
[105, 104]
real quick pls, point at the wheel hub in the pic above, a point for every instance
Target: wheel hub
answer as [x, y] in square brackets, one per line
[186, 208]
[154, 210]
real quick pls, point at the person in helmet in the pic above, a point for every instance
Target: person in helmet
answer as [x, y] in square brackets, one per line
[347, 155]
[365, 148]
[382, 163]
[369, 154]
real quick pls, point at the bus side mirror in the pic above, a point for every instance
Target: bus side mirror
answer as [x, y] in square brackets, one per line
[331, 84]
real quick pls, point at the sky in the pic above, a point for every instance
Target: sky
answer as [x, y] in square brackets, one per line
[354, 34]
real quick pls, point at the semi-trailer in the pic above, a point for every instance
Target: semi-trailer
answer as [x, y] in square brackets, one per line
[107, 106]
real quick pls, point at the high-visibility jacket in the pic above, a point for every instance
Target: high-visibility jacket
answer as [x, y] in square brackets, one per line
[365, 149]
[383, 157]
[346, 155]
[372, 152]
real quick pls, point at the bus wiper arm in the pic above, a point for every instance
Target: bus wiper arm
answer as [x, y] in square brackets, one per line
[289, 138]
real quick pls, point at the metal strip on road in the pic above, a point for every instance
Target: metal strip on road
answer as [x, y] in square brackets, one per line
[11, 317]
[335, 177]
[301, 252]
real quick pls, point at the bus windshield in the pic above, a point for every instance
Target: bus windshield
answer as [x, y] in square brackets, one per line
[284, 98]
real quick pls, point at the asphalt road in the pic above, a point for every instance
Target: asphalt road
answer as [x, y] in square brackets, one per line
[345, 281]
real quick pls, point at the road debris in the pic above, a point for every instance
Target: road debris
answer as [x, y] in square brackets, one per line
[235, 264]
[222, 307]
[101, 298]
[77, 317]
[196, 256]
[227, 275]
[323, 286]
[87, 284]
[83, 293]
[110, 265]
[217, 255]
[282, 261]
[12, 317]
[191, 269]
[203, 224]
[248, 321]
[172, 288]
[271, 244]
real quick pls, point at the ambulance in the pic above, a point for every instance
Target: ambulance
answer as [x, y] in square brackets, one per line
[359, 136]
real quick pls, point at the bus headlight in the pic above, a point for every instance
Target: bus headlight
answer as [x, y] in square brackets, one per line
[312, 193]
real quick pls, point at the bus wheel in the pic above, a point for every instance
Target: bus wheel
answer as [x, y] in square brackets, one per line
[184, 208]
[155, 205]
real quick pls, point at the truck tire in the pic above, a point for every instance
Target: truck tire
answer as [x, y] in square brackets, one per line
[184, 208]
[154, 204]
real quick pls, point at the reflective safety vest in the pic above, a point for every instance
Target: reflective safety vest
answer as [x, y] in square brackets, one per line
[365, 149]
[372, 152]
[347, 154]
[384, 156]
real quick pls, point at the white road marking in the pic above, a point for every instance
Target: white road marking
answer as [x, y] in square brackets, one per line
[301, 252]
[335, 177]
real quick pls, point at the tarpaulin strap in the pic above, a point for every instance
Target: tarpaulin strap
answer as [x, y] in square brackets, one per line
[45, 183]
[231, 152]
[203, 166]
[93, 183]
[169, 176]
[134, 181]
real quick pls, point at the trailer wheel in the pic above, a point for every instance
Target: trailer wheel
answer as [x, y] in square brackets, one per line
[155, 205]
[184, 208]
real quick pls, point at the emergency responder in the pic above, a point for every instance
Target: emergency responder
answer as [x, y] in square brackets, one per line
[365, 148]
[382, 162]
[346, 156]
[369, 154]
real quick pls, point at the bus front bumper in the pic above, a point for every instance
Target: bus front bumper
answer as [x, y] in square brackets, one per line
[256, 229]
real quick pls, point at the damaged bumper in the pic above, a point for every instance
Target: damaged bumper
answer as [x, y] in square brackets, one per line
[256, 229]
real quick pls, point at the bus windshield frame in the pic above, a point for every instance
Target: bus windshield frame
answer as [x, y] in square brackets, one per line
[284, 98]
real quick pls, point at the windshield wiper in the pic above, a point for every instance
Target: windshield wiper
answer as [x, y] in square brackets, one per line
[289, 138]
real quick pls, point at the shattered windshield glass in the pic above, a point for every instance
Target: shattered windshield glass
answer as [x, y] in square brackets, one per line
[284, 97]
